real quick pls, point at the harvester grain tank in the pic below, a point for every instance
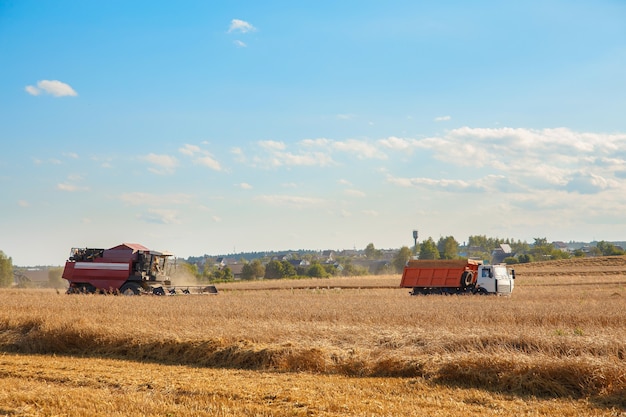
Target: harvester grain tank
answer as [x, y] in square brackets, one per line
[463, 276]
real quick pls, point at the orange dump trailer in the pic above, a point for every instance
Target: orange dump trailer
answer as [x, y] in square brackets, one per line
[456, 276]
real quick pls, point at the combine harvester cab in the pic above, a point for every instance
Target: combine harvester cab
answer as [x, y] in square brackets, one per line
[456, 277]
[129, 269]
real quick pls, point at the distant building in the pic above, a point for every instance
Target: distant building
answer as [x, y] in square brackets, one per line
[31, 277]
[500, 253]
[562, 246]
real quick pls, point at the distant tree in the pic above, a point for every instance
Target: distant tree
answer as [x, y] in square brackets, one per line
[210, 271]
[222, 274]
[595, 251]
[350, 270]
[372, 253]
[559, 254]
[401, 258]
[609, 249]
[6, 270]
[190, 268]
[510, 260]
[288, 269]
[316, 270]
[579, 253]
[428, 249]
[448, 248]
[259, 269]
[525, 258]
[519, 246]
[542, 250]
[227, 274]
[247, 272]
[252, 270]
[55, 279]
[331, 269]
[480, 246]
[274, 270]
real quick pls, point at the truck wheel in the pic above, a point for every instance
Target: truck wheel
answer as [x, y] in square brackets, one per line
[130, 289]
[467, 279]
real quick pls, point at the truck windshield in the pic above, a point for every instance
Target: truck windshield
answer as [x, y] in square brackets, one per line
[500, 272]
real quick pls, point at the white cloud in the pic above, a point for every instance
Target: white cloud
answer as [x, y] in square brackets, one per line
[244, 186]
[345, 116]
[516, 160]
[209, 162]
[240, 44]
[442, 118]
[71, 187]
[239, 155]
[272, 145]
[291, 201]
[165, 164]
[154, 199]
[160, 216]
[23, 203]
[362, 149]
[321, 142]
[500, 160]
[305, 159]
[589, 183]
[277, 156]
[201, 156]
[189, 150]
[399, 144]
[354, 193]
[52, 87]
[33, 91]
[237, 25]
[458, 185]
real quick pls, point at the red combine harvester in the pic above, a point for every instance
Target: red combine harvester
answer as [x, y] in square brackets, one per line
[129, 269]
[457, 277]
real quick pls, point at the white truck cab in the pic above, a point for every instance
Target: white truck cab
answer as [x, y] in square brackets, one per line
[495, 279]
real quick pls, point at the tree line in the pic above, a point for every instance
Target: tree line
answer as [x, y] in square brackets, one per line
[478, 246]
[482, 247]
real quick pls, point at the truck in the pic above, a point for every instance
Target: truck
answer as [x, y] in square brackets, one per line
[128, 269]
[457, 276]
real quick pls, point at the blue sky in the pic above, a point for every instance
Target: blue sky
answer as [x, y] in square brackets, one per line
[218, 127]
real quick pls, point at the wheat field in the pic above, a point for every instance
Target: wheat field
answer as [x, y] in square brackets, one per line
[341, 346]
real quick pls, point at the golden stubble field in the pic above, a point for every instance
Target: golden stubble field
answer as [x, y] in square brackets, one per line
[342, 346]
